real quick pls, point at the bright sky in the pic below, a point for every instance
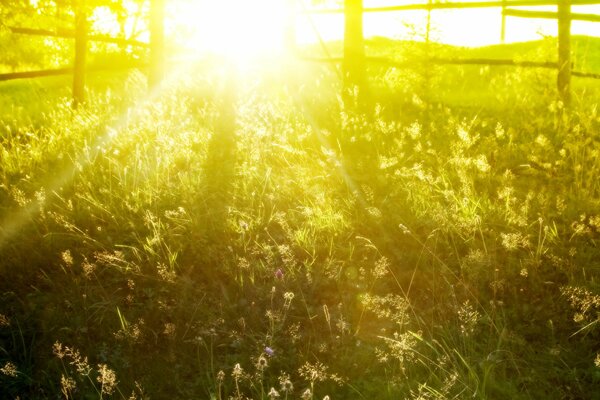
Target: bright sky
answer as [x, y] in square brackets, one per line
[243, 27]
[465, 27]
[240, 26]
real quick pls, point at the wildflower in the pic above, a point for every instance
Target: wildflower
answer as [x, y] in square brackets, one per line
[468, 317]
[57, 350]
[313, 372]
[243, 264]
[88, 269]
[597, 360]
[81, 364]
[286, 255]
[514, 241]
[237, 371]
[165, 273]
[9, 369]
[279, 274]
[19, 197]
[391, 307]
[288, 297]
[306, 395]
[67, 386]
[107, 379]
[220, 376]
[381, 268]
[524, 273]
[342, 325]
[285, 383]
[269, 351]
[481, 163]
[262, 363]
[67, 258]
[273, 393]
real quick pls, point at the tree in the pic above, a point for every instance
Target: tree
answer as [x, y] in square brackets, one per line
[80, 52]
[21, 52]
[157, 41]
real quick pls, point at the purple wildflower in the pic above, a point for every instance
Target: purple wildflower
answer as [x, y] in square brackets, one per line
[279, 274]
[269, 351]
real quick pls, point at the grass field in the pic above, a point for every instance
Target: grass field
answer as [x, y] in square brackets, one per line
[245, 235]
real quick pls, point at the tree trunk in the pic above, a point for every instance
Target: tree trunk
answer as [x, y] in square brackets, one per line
[354, 49]
[157, 42]
[80, 53]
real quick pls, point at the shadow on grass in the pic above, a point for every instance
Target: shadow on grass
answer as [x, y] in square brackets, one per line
[219, 171]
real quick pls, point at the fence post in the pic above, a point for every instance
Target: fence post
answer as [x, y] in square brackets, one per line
[157, 42]
[354, 49]
[564, 51]
[80, 53]
[428, 25]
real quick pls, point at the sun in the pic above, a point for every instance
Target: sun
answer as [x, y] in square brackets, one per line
[233, 28]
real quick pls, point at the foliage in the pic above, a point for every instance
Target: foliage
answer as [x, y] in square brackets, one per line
[24, 52]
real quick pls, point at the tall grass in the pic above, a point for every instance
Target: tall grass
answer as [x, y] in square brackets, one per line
[276, 245]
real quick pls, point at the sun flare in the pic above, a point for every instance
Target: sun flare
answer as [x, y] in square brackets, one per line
[233, 28]
[242, 29]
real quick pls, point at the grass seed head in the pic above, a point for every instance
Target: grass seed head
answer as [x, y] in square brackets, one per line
[9, 369]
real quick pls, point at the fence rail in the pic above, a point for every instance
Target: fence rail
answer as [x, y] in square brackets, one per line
[443, 61]
[456, 61]
[585, 74]
[70, 34]
[36, 74]
[563, 15]
[82, 36]
[549, 15]
[67, 71]
[453, 5]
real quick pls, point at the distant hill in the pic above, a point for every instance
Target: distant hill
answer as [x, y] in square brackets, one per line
[586, 50]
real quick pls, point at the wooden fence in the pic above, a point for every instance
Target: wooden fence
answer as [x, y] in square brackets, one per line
[563, 15]
[81, 36]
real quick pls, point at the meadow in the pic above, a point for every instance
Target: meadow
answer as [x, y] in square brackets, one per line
[243, 234]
